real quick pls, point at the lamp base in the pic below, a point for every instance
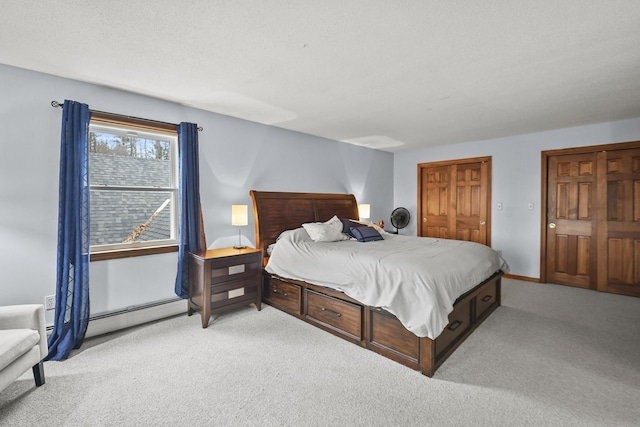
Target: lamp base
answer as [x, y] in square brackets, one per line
[239, 245]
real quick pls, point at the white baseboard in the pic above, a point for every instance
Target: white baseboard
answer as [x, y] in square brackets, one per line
[113, 322]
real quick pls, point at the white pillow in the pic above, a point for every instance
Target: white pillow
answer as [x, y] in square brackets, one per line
[297, 235]
[330, 231]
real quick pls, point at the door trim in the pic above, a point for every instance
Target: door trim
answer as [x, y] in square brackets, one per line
[486, 159]
[544, 180]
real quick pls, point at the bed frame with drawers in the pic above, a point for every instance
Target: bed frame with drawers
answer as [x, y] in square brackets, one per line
[369, 327]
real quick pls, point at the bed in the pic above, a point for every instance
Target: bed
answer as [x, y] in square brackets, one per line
[330, 308]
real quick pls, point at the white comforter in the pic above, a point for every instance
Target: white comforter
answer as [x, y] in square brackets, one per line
[416, 278]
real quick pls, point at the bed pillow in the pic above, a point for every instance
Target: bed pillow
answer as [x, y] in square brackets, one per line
[330, 231]
[296, 235]
[366, 234]
[347, 224]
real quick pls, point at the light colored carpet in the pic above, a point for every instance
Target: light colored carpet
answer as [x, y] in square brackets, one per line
[551, 355]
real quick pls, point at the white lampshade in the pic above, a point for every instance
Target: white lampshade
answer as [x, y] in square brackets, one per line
[364, 211]
[239, 215]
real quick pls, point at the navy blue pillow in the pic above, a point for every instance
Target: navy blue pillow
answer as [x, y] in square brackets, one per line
[366, 234]
[347, 224]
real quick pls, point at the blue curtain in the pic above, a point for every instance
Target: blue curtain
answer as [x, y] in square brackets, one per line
[72, 279]
[190, 229]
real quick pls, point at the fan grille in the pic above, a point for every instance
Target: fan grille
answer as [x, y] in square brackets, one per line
[400, 218]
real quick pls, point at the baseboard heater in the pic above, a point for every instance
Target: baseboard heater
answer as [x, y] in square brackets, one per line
[112, 321]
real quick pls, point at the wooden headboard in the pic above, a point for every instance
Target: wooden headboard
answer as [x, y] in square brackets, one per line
[275, 212]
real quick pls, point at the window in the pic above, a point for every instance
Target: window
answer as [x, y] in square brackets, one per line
[133, 188]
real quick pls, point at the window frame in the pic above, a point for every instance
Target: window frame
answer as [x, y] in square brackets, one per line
[141, 126]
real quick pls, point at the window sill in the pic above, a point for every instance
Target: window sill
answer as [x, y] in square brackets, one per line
[127, 253]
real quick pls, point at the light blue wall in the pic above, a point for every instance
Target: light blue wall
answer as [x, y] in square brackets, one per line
[516, 182]
[235, 156]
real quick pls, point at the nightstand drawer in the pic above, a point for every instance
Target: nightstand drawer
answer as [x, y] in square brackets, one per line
[235, 268]
[233, 292]
[338, 315]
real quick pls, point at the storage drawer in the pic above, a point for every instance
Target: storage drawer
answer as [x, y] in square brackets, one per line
[234, 292]
[235, 268]
[387, 332]
[459, 323]
[486, 299]
[338, 315]
[282, 295]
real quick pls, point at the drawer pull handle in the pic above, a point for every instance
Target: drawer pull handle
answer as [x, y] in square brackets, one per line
[333, 313]
[275, 291]
[455, 325]
[236, 293]
[486, 298]
[236, 269]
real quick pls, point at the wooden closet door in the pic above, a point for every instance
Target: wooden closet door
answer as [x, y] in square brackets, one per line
[454, 199]
[619, 222]
[435, 202]
[571, 247]
[471, 202]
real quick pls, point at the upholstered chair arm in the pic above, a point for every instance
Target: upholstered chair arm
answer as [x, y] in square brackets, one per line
[26, 316]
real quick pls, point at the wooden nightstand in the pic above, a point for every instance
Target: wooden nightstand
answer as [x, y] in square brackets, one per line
[224, 279]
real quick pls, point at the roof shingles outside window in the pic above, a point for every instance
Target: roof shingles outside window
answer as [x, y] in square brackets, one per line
[115, 214]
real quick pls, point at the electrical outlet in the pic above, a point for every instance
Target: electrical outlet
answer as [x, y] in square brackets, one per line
[50, 302]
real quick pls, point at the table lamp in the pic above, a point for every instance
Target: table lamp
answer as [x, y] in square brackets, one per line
[364, 211]
[239, 218]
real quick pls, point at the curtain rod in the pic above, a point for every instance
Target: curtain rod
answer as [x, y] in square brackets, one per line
[56, 104]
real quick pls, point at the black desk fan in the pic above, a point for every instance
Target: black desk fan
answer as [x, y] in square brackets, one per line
[400, 218]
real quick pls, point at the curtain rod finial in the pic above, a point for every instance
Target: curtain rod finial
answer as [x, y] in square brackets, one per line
[56, 104]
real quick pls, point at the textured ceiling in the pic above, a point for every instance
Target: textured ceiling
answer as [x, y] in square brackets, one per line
[393, 75]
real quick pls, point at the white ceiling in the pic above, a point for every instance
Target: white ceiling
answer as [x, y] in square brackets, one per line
[394, 74]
